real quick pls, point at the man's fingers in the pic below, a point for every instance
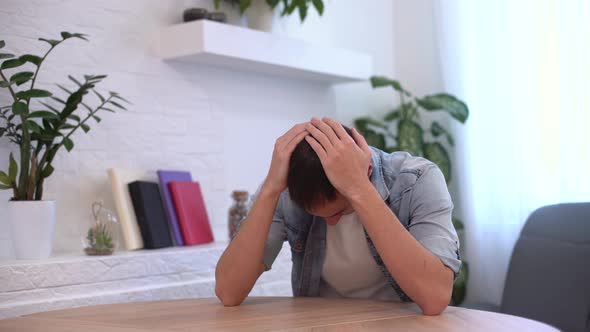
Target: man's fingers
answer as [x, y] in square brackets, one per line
[293, 143]
[319, 136]
[338, 129]
[294, 131]
[326, 129]
[317, 147]
[361, 142]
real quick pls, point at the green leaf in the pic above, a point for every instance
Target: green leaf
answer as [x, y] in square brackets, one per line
[4, 84]
[20, 108]
[68, 144]
[445, 102]
[74, 117]
[47, 171]
[272, 3]
[36, 60]
[458, 224]
[99, 96]
[117, 96]
[410, 137]
[43, 114]
[64, 89]
[450, 139]
[51, 42]
[4, 178]
[319, 6]
[6, 55]
[437, 129]
[302, 10]
[436, 153]
[12, 169]
[12, 63]
[244, 4]
[75, 80]
[33, 93]
[85, 127]
[66, 35]
[375, 139]
[393, 115]
[362, 124]
[117, 104]
[96, 118]
[67, 126]
[2, 43]
[59, 100]
[107, 109]
[382, 81]
[33, 126]
[50, 107]
[22, 77]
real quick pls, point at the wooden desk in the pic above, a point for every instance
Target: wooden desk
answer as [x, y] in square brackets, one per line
[264, 314]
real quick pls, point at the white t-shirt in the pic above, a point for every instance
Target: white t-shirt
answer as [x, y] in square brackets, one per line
[349, 268]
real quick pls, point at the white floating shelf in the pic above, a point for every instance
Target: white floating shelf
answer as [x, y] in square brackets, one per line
[245, 49]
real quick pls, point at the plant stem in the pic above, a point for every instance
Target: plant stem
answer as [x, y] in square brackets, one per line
[24, 150]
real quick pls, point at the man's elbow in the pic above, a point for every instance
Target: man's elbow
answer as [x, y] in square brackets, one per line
[435, 305]
[226, 299]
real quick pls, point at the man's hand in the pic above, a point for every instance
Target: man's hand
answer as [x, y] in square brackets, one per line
[276, 180]
[345, 161]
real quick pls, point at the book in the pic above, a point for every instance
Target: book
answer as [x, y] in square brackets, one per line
[119, 179]
[191, 212]
[151, 218]
[165, 177]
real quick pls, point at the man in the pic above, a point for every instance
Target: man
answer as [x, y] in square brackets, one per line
[361, 223]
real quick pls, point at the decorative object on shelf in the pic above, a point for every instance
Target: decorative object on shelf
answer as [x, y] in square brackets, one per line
[238, 210]
[193, 14]
[100, 239]
[260, 13]
[40, 123]
[403, 126]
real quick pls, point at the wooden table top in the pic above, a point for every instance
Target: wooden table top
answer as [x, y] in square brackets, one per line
[265, 314]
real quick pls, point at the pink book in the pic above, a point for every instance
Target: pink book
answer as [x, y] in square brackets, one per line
[191, 212]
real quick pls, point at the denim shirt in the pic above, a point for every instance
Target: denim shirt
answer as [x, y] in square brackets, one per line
[413, 188]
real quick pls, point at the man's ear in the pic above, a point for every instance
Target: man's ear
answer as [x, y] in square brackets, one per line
[370, 169]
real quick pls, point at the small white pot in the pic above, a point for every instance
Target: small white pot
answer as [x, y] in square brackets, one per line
[32, 225]
[260, 16]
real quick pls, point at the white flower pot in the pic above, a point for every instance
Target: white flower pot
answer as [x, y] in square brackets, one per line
[32, 225]
[260, 16]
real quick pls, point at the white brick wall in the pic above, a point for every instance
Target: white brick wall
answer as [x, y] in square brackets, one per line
[218, 124]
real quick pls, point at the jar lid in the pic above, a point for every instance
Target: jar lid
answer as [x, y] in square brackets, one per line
[239, 194]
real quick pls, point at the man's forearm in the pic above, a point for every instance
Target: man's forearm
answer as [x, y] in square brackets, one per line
[418, 272]
[240, 265]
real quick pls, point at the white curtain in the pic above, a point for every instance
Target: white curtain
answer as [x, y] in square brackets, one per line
[523, 67]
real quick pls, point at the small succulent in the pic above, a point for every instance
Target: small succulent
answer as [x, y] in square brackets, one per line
[99, 240]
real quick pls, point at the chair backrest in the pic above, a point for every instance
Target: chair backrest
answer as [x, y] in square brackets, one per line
[548, 277]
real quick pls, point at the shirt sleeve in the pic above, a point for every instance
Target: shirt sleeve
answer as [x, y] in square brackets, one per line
[276, 234]
[431, 223]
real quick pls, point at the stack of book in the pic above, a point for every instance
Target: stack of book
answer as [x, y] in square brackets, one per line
[158, 215]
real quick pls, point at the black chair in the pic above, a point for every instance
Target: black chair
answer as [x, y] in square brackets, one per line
[548, 278]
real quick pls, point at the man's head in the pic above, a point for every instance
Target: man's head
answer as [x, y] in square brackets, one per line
[310, 188]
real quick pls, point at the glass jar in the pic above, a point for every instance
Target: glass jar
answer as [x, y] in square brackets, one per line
[238, 211]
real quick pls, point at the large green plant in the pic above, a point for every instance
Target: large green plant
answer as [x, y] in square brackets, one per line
[289, 6]
[401, 129]
[41, 132]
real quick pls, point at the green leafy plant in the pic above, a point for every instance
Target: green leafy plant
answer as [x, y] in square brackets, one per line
[99, 240]
[41, 133]
[401, 129]
[289, 6]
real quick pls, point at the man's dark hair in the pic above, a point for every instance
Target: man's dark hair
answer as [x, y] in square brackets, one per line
[307, 181]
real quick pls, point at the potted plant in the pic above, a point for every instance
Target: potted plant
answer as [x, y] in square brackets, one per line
[261, 13]
[402, 125]
[40, 124]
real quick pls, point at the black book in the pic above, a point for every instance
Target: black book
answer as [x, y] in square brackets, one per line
[151, 217]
